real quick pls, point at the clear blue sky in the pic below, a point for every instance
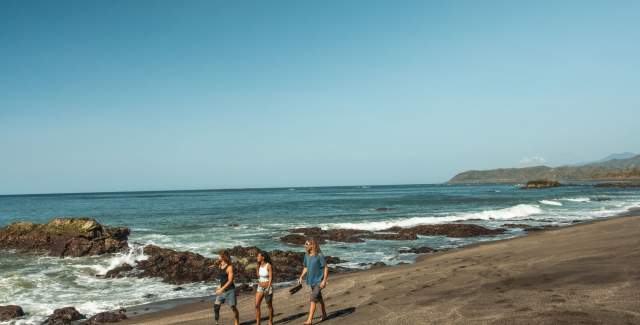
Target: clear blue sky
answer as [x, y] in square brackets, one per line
[151, 95]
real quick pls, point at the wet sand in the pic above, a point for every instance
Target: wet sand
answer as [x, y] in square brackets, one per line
[583, 274]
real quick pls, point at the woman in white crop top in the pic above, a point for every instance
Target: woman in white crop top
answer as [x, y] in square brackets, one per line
[265, 278]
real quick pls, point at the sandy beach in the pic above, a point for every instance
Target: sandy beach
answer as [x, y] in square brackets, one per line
[583, 274]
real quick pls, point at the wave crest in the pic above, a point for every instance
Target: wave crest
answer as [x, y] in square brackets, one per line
[514, 212]
[551, 202]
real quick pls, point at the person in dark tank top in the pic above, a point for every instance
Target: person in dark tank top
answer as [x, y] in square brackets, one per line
[226, 293]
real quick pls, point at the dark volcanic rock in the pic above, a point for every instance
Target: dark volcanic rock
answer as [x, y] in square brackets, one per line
[539, 228]
[394, 233]
[542, 183]
[63, 316]
[418, 250]
[377, 265]
[177, 267]
[392, 236]
[341, 235]
[10, 312]
[296, 239]
[186, 267]
[459, 230]
[515, 225]
[64, 237]
[119, 271]
[106, 317]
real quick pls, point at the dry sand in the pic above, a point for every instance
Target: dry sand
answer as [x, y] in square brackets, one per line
[584, 274]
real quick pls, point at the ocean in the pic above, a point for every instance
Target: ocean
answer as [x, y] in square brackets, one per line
[208, 220]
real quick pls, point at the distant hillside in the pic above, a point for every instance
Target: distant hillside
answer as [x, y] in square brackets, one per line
[612, 169]
[621, 155]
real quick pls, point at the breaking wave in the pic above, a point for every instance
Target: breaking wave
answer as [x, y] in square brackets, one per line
[515, 212]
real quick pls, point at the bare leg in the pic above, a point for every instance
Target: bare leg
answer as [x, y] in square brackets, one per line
[236, 315]
[259, 296]
[324, 311]
[270, 306]
[312, 310]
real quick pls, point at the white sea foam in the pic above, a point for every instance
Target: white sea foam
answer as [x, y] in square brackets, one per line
[135, 253]
[514, 212]
[578, 199]
[550, 202]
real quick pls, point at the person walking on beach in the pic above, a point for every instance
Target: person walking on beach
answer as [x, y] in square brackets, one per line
[265, 278]
[227, 291]
[317, 272]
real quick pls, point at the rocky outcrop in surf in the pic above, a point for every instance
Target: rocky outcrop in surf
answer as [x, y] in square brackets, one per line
[456, 230]
[393, 233]
[63, 316]
[417, 250]
[106, 317]
[63, 237]
[186, 267]
[542, 183]
[10, 312]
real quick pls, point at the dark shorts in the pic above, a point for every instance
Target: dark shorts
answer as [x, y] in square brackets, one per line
[228, 297]
[316, 293]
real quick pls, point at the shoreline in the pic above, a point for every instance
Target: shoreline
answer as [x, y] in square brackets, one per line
[195, 312]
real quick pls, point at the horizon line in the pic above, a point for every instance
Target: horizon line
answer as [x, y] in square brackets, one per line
[221, 189]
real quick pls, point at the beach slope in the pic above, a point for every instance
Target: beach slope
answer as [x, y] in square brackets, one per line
[584, 274]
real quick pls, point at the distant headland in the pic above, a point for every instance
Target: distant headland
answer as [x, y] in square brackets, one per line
[611, 168]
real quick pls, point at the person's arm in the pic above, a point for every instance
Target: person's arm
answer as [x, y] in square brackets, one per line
[304, 271]
[270, 269]
[326, 273]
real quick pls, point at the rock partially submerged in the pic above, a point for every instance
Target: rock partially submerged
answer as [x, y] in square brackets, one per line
[63, 316]
[175, 267]
[10, 312]
[529, 228]
[340, 235]
[106, 317]
[515, 225]
[457, 230]
[187, 267]
[417, 250]
[541, 183]
[62, 237]
[394, 233]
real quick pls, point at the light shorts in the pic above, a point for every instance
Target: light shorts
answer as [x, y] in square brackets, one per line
[268, 292]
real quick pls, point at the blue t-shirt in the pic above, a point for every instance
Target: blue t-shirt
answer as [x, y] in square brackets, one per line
[315, 268]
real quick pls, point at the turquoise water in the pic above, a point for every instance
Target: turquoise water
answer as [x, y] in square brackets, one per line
[205, 221]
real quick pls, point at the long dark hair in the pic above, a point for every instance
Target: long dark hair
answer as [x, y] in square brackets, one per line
[224, 256]
[265, 256]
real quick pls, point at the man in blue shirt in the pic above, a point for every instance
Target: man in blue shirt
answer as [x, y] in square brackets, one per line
[317, 271]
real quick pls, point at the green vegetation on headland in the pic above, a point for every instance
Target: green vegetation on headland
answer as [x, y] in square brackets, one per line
[610, 170]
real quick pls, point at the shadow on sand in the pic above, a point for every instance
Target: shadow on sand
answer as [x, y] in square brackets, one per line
[287, 319]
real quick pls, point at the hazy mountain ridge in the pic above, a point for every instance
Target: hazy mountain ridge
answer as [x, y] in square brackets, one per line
[612, 169]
